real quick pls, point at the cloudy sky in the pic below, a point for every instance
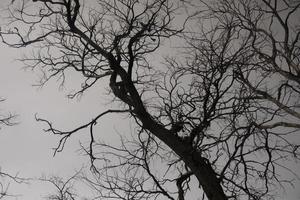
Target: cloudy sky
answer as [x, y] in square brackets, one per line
[25, 148]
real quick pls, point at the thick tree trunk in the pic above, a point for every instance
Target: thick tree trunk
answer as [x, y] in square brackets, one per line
[201, 169]
[199, 166]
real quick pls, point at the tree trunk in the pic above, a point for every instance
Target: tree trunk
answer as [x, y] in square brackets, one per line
[201, 169]
[199, 166]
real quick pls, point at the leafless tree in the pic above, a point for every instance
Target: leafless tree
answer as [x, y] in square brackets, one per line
[223, 113]
[3, 185]
[6, 119]
[5, 178]
[64, 189]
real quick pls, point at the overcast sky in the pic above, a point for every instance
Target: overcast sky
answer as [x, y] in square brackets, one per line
[25, 148]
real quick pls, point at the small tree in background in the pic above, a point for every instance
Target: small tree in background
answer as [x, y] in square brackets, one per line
[222, 114]
[5, 178]
[64, 189]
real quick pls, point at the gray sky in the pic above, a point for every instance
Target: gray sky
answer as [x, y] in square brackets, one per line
[25, 148]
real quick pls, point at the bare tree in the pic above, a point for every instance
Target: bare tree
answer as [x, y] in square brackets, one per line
[6, 119]
[64, 189]
[5, 178]
[223, 113]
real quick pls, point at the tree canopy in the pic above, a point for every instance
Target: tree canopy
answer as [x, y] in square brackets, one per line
[212, 88]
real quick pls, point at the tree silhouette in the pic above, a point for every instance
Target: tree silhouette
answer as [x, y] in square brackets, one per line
[64, 189]
[5, 178]
[6, 119]
[221, 113]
